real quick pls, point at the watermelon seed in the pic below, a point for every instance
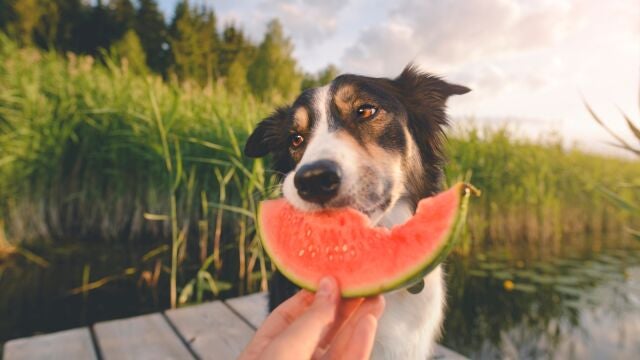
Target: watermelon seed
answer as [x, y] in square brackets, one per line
[344, 248]
[330, 257]
[336, 248]
[313, 254]
[301, 252]
[308, 233]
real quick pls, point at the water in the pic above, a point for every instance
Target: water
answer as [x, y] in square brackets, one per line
[581, 305]
[36, 299]
[581, 301]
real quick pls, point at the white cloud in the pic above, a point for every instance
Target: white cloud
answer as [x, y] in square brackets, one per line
[523, 59]
[449, 33]
[307, 22]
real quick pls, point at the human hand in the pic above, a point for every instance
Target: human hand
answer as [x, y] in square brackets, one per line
[318, 326]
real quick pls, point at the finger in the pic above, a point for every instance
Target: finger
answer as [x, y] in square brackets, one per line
[305, 333]
[372, 306]
[276, 322]
[360, 344]
[285, 314]
[346, 309]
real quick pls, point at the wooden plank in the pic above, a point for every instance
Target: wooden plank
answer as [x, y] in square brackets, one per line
[140, 337]
[253, 308]
[69, 344]
[212, 330]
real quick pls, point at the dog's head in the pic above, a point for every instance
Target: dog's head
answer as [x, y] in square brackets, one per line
[359, 142]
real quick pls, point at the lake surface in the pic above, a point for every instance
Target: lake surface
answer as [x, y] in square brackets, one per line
[580, 300]
[583, 304]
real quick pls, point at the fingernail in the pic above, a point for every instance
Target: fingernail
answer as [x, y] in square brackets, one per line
[325, 288]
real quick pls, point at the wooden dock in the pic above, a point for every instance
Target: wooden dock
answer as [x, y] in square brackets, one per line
[214, 330]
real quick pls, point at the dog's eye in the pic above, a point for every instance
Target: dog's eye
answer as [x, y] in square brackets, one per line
[366, 111]
[296, 140]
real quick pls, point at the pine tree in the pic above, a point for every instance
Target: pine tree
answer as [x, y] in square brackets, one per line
[4, 14]
[123, 15]
[236, 78]
[209, 42]
[183, 41]
[235, 55]
[95, 32]
[273, 73]
[46, 32]
[152, 31]
[72, 14]
[22, 18]
[129, 52]
[232, 45]
[193, 40]
[323, 77]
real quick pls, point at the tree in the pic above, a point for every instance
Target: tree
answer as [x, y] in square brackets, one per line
[235, 55]
[152, 31]
[273, 73]
[129, 51]
[72, 15]
[194, 41]
[22, 18]
[46, 32]
[96, 30]
[4, 14]
[323, 77]
[123, 16]
[233, 45]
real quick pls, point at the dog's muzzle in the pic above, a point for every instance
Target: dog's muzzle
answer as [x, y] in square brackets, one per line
[319, 181]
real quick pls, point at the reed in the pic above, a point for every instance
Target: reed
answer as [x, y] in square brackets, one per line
[538, 192]
[93, 153]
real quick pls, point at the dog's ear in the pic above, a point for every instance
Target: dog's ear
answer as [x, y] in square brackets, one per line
[269, 135]
[426, 87]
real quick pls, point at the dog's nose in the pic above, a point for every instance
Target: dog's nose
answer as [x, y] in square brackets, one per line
[318, 182]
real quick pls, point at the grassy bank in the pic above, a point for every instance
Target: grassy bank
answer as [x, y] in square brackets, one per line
[539, 192]
[91, 153]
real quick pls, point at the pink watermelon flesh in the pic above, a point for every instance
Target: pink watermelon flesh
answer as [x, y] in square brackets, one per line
[365, 260]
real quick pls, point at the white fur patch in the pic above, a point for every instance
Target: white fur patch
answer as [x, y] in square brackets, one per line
[411, 322]
[323, 145]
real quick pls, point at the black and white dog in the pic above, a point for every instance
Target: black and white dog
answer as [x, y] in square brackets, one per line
[373, 144]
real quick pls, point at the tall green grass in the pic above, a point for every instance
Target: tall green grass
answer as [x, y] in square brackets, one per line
[537, 193]
[620, 142]
[94, 153]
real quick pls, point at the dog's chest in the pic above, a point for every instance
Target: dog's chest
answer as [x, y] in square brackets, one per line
[411, 322]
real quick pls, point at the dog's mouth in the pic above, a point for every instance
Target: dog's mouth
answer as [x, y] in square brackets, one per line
[368, 208]
[372, 204]
[369, 191]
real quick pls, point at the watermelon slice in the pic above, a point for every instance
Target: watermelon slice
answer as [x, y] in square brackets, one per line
[365, 260]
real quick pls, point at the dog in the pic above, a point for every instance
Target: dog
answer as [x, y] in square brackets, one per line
[373, 144]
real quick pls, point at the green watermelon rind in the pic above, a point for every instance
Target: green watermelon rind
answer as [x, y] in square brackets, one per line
[412, 275]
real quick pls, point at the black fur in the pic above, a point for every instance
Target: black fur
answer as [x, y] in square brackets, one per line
[418, 97]
[424, 97]
[271, 136]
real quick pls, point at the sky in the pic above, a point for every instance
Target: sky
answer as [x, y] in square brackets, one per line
[529, 63]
